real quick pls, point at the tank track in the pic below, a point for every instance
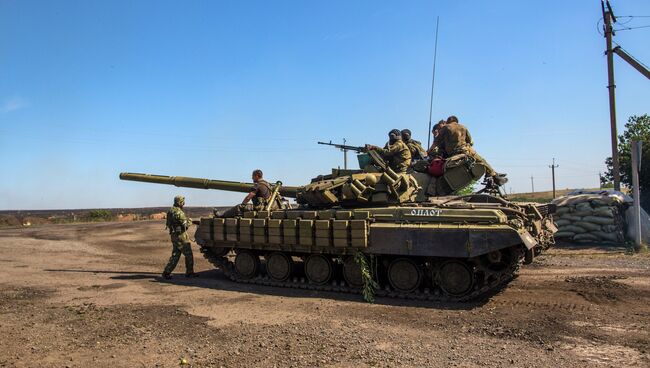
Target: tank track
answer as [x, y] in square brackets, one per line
[498, 280]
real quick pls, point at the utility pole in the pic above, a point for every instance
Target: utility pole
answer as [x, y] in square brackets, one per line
[532, 184]
[553, 167]
[600, 180]
[636, 168]
[345, 155]
[608, 17]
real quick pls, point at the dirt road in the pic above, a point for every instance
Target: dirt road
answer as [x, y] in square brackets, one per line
[90, 295]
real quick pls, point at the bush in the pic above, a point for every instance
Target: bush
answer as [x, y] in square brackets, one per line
[100, 215]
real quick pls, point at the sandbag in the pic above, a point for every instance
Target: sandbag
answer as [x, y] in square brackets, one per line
[599, 220]
[562, 222]
[583, 213]
[564, 234]
[571, 218]
[585, 237]
[562, 210]
[602, 202]
[573, 229]
[610, 228]
[604, 212]
[589, 226]
[584, 206]
[613, 237]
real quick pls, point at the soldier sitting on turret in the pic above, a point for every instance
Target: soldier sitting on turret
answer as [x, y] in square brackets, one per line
[417, 151]
[453, 139]
[395, 152]
[434, 150]
[259, 194]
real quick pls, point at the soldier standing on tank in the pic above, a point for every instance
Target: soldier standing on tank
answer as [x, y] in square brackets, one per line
[454, 138]
[178, 223]
[259, 194]
[417, 151]
[395, 152]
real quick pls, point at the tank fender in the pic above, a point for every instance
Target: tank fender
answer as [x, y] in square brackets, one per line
[528, 240]
[452, 241]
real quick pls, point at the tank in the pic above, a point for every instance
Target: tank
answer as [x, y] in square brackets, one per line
[375, 231]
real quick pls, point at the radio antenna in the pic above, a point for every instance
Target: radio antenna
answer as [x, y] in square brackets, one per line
[433, 81]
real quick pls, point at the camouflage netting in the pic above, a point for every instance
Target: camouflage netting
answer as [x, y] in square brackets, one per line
[592, 217]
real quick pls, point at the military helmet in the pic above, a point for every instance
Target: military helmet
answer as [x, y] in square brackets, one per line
[406, 132]
[179, 201]
[395, 134]
[452, 119]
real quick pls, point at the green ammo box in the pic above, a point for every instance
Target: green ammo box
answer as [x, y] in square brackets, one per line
[323, 229]
[323, 224]
[246, 230]
[340, 224]
[341, 242]
[275, 230]
[359, 233]
[359, 243]
[218, 229]
[361, 215]
[310, 215]
[250, 214]
[231, 229]
[305, 232]
[325, 215]
[289, 231]
[292, 215]
[341, 234]
[278, 215]
[205, 228]
[259, 230]
[323, 242]
[343, 215]
[263, 214]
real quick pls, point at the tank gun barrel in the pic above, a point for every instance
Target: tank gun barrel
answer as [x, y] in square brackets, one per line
[199, 183]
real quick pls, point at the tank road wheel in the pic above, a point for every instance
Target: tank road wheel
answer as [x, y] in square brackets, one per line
[219, 251]
[352, 272]
[279, 266]
[404, 275]
[455, 278]
[247, 264]
[318, 269]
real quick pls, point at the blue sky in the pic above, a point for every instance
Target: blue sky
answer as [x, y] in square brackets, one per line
[217, 88]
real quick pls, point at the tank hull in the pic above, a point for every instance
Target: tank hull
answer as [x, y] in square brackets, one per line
[419, 252]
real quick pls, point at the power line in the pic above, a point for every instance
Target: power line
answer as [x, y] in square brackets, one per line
[630, 28]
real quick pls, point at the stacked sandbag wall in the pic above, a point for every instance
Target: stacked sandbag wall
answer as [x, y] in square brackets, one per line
[591, 218]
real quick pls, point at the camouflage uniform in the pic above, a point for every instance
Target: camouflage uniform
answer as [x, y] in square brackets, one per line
[262, 190]
[417, 151]
[455, 139]
[178, 224]
[397, 155]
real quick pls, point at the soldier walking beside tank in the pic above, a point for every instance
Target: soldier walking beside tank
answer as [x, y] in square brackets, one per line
[178, 223]
[417, 151]
[259, 194]
[395, 152]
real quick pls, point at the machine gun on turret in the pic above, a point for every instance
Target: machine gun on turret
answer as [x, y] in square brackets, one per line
[357, 149]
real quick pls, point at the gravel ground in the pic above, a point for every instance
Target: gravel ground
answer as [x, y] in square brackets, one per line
[89, 295]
